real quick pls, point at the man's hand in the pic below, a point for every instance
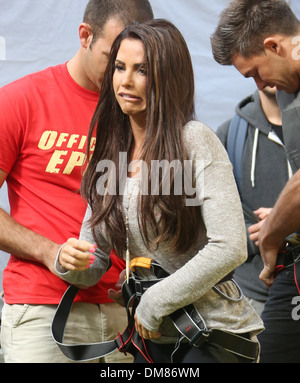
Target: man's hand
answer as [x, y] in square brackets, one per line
[269, 257]
[117, 295]
[283, 220]
[269, 251]
[254, 230]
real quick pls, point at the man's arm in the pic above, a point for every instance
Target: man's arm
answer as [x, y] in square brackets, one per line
[283, 220]
[24, 243]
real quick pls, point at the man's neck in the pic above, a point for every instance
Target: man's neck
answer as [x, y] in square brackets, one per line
[271, 108]
[77, 73]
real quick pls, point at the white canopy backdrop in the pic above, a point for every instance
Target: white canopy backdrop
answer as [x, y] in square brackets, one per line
[35, 34]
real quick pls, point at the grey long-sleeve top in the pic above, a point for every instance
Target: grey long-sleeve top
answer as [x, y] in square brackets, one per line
[220, 248]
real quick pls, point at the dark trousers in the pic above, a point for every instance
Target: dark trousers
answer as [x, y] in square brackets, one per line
[280, 342]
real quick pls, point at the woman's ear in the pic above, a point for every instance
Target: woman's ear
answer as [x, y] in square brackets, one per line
[85, 35]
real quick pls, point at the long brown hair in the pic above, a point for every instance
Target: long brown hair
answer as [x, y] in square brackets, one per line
[170, 105]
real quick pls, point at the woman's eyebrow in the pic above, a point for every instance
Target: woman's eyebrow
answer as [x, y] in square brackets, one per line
[137, 65]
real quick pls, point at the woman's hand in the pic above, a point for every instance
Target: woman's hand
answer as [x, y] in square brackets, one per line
[77, 255]
[144, 333]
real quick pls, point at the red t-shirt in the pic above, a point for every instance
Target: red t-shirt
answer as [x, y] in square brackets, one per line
[44, 121]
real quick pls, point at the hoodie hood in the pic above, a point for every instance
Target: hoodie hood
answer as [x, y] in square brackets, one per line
[248, 110]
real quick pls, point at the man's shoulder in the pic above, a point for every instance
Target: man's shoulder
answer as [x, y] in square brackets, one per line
[33, 79]
[31, 86]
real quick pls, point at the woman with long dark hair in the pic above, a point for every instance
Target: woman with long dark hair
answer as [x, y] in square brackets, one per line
[160, 186]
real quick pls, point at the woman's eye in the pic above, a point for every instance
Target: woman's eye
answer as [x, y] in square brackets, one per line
[143, 71]
[119, 67]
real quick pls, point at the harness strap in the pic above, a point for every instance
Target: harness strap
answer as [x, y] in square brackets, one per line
[187, 320]
[290, 257]
[76, 352]
[127, 342]
[235, 343]
[236, 137]
[194, 329]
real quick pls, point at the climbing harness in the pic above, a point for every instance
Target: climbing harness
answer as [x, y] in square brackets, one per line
[189, 323]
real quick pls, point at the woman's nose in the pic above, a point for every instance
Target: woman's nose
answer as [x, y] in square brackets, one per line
[126, 79]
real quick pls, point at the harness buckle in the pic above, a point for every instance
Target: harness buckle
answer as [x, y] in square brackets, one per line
[138, 288]
[199, 338]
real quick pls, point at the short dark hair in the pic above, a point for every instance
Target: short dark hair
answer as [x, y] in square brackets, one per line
[98, 12]
[244, 25]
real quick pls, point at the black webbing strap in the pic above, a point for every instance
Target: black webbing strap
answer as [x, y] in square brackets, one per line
[187, 321]
[76, 352]
[235, 344]
[192, 326]
[127, 342]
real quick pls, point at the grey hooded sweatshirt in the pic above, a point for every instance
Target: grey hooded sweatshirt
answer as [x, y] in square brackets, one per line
[265, 171]
[290, 112]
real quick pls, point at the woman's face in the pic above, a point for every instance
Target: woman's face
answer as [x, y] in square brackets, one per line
[130, 80]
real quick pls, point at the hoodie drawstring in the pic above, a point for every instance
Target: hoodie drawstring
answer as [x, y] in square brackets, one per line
[253, 162]
[273, 136]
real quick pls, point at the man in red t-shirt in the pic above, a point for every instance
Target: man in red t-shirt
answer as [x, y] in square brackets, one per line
[44, 120]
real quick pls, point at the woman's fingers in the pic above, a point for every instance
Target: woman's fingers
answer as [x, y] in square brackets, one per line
[77, 255]
[143, 332]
